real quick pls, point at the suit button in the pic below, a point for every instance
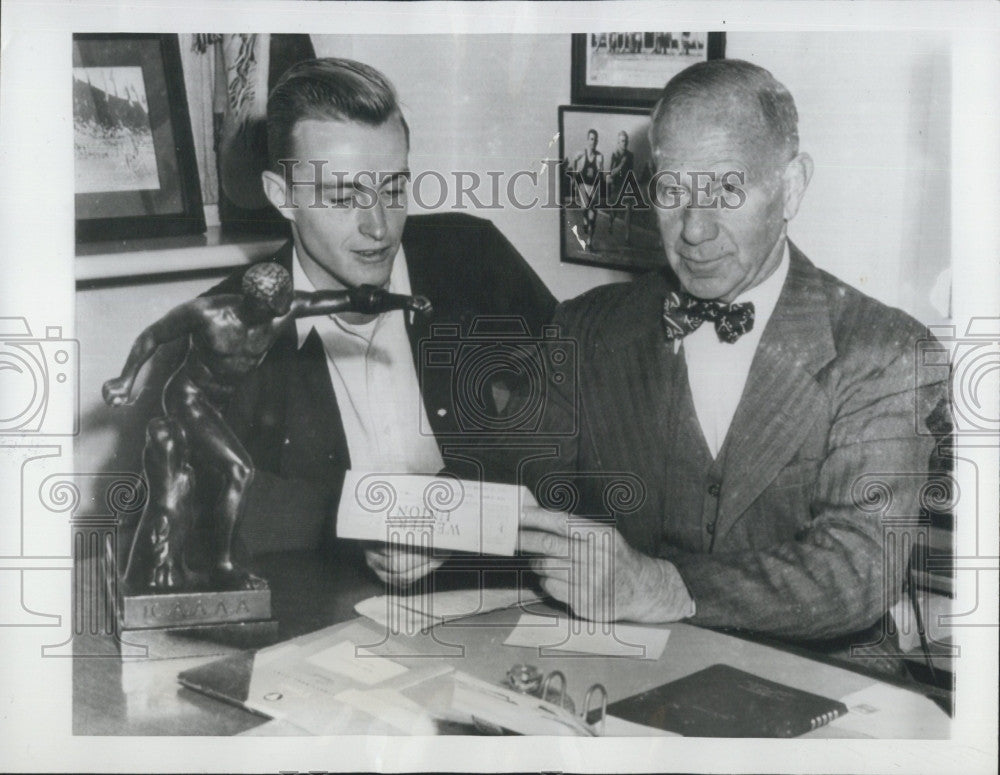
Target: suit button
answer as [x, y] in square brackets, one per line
[713, 490]
[710, 528]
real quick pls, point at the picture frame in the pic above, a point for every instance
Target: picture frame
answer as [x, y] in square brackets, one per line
[135, 170]
[629, 69]
[625, 233]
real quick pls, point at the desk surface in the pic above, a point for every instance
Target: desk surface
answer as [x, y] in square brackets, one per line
[309, 592]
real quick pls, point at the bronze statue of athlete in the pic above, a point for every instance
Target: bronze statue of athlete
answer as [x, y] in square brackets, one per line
[229, 335]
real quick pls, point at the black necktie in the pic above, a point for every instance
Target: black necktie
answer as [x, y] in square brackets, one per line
[683, 313]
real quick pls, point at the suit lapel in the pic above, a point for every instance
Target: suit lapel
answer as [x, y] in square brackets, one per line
[312, 414]
[781, 399]
[418, 327]
[301, 394]
[435, 384]
[639, 420]
[635, 366]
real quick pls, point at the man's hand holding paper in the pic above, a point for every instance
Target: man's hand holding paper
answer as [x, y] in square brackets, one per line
[589, 566]
[412, 522]
[398, 566]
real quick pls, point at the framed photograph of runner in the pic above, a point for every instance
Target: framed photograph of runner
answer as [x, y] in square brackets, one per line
[607, 216]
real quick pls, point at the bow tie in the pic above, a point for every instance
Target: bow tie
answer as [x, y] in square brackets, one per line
[683, 313]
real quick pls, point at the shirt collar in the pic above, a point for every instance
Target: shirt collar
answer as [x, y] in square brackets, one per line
[764, 296]
[399, 282]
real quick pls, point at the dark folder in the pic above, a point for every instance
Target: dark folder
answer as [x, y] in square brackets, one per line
[721, 701]
[226, 679]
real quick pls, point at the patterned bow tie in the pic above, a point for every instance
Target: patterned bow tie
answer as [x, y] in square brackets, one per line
[683, 313]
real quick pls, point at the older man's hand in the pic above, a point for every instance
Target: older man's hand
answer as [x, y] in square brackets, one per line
[400, 566]
[591, 568]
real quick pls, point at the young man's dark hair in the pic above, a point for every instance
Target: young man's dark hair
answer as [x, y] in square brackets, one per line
[327, 89]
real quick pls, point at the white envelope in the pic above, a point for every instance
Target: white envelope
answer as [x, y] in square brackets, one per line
[432, 512]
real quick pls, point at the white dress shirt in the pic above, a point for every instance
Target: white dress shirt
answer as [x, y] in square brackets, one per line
[717, 371]
[373, 376]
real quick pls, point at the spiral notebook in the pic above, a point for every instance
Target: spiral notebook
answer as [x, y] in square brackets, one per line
[722, 701]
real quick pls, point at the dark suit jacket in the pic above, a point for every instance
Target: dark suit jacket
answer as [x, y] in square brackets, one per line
[788, 542]
[286, 413]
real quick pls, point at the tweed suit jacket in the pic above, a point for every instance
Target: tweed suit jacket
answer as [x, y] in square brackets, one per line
[782, 545]
[286, 413]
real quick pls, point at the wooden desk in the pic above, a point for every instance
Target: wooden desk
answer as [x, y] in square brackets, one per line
[142, 697]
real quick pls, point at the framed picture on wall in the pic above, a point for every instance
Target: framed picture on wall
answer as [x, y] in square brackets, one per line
[606, 215]
[135, 170]
[630, 68]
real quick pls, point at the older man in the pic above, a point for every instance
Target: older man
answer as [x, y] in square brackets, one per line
[744, 394]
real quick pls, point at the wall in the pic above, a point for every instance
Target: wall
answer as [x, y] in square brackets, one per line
[107, 321]
[874, 111]
[483, 103]
[875, 115]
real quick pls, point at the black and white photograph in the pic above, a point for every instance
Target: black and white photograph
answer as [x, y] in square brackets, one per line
[113, 140]
[608, 217]
[630, 58]
[397, 390]
[135, 173]
[631, 67]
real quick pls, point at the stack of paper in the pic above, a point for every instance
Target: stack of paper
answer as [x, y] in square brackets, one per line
[521, 713]
[612, 639]
[417, 613]
[333, 686]
[885, 711]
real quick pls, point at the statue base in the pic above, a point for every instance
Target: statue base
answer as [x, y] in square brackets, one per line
[202, 640]
[198, 623]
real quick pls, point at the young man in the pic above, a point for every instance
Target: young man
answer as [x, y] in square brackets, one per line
[346, 391]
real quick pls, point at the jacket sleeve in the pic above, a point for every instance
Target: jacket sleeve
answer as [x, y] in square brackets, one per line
[289, 514]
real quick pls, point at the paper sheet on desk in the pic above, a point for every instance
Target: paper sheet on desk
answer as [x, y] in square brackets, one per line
[432, 511]
[358, 663]
[412, 613]
[334, 687]
[887, 712]
[563, 634]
